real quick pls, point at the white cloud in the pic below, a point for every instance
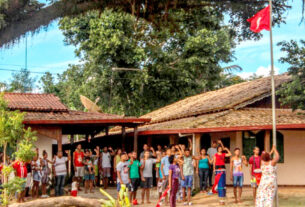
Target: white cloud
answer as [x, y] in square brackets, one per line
[260, 71]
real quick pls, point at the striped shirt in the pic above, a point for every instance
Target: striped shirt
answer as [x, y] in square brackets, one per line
[60, 165]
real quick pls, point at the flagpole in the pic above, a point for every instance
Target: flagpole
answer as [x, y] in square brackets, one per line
[273, 91]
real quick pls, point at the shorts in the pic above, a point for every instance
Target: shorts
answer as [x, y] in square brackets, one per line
[118, 186]
[74, 193]
[187, 182]
[148, 183]
[238, 181]
[79, 172]
[135, 183]
[89, 177]
[107, 172]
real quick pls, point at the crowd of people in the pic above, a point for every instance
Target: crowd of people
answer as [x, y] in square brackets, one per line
[170, 167]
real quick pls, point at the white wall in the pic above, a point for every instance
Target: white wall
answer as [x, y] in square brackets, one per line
[292, 171]
[44, 143]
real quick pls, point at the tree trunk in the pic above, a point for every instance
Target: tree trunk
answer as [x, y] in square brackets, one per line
[65, 201]
[5, 176]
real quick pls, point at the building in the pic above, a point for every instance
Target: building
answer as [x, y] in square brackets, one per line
[239, 115]
[52, 120]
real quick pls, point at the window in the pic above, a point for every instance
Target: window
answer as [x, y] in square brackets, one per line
[249, 142]
[279, 144]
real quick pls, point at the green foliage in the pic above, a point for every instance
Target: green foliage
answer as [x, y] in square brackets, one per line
[293, 93]
[173, 63]
[25, 150]
[13, 186]
[22, 82]
[12, 133]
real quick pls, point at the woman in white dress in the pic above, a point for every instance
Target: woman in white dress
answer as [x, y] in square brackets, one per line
[268, 185]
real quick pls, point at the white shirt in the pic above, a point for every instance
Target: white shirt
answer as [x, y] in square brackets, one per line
[74, 186]
[211, 152]
[60, 165]
[106, 160]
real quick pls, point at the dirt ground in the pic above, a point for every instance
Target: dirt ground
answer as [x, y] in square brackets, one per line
[288, 197]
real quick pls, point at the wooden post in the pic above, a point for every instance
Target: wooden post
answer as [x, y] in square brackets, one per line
[173, 139]
[71, 155]
[123, 137]
[239, 140]
[59, 140]
[267, 141]
[197, 144]
[135, 139]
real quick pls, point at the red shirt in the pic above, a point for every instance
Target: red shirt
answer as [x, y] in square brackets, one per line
[20, 168]
[78, 159]
[255, 162]
[220, 159]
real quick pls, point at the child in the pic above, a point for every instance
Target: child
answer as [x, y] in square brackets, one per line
[147, 175]
[173, 178]
[237, 175]
[74, 186]
[36, 169]
[89, 174]
[220, 168]
[134, 166]
[255, 170]
[123, 172]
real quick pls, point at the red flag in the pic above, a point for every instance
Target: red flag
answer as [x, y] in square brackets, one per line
[260, 21]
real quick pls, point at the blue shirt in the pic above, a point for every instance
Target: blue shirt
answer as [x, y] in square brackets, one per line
[166, 165]
[204, 163]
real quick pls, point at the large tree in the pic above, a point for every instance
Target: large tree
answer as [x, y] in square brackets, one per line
[21, 82]
[172, 64]
[17, 17]
[293, 93]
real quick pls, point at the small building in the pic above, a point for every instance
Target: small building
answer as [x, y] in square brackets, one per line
[52, 120]
[239, 115]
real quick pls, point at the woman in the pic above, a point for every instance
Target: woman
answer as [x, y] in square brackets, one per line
[220, 170]
[203, 170]
[59, 163]
[36, 169]
[21, 172]
[267, 187]
[45, 174]
[173, 178]
[116, 161]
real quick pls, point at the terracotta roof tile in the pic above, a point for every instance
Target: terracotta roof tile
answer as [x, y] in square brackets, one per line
[69, 115]
[34, 102]
[232, 97]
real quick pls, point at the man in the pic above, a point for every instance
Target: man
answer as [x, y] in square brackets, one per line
[147, 175]
[123, 172]
[255, 170]
[134, 167]
[151, 151]
[106, 164]
[187, 178]
[78, 164]
[165, 171]
[60, 165]
[211, 152]
[237, 175]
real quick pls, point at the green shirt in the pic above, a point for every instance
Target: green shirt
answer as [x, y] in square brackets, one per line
[134, 169]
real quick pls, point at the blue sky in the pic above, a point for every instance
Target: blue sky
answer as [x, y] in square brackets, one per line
[47, 51]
